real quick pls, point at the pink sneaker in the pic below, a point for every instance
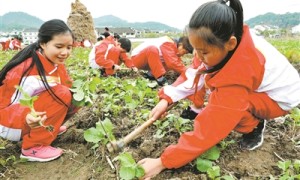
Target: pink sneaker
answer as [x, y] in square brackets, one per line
[62, 130]
[41, 153]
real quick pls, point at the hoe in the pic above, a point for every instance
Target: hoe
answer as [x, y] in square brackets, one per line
[115, 146]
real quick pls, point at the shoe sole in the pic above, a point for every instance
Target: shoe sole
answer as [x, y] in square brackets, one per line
[262, 138]
[32, 159]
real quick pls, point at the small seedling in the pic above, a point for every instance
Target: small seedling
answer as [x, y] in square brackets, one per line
[205, 161]
[295, 115]
[129, 168]
[101, 134]
[290, 169]
[28, 101]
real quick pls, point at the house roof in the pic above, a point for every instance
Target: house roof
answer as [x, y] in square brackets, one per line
[31, 30]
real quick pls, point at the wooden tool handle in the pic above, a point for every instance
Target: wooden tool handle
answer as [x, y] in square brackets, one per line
[117, 145]
[131, 136]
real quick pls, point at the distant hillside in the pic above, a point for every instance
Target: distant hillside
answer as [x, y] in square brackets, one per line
[113, 21]
[20, 20]
[287, 20]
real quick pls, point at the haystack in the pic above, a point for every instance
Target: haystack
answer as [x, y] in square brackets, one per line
[81, 22]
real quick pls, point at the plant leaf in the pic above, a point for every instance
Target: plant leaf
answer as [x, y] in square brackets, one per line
[140, 172]
[78, 95]
[127, 173]
[211, 154]
[126, 159]
[203, 164]
[92, 135]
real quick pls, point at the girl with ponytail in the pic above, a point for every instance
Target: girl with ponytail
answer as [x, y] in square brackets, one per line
[249, 82]
[40, 71]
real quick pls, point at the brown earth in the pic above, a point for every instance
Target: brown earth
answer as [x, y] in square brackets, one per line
[80, 162]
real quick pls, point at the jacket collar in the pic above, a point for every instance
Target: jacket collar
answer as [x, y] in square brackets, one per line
[49, 67]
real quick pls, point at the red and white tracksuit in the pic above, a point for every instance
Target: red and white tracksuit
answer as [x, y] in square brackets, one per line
[5, 43]
[158, 56]
[257, 82]
[13, 125]
[107, 55]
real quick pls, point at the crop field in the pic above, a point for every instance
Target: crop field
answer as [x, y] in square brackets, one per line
[112, 107]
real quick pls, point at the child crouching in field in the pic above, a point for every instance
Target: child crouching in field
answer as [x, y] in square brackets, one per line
[248, 79]
[109, 54]
[39, 69]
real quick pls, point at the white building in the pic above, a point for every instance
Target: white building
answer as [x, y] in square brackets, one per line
[296, 29]
[30, 35]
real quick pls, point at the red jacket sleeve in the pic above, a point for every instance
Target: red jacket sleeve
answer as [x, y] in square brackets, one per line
[127, 61]
[169, 53]
[15, 111]
[163, 95]
[210, 126]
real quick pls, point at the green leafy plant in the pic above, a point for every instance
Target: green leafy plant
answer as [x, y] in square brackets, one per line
[289, 170]
[129, 169]
[84, 90]
[28, 101]
[204, 163]
[213, 172]
[8, 161]
[182, 125]
[162, 128]
[3, 143]
[119, 95]
[293, 119]
[172, 122]
[101, 134]
[225, 143]
[295, 115]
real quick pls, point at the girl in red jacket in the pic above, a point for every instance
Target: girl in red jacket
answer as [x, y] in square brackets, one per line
[160, 55]
[248, 80]
[40, 71]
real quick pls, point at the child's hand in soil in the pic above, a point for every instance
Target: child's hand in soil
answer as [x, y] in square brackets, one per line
[33, 121]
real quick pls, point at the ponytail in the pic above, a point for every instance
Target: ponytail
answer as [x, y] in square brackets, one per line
[238, 9]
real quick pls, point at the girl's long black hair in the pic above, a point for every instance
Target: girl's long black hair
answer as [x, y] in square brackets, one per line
[46, 33]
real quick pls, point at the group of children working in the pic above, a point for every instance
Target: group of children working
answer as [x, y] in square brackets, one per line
[156, 56]
[9, 43]
[247, 81]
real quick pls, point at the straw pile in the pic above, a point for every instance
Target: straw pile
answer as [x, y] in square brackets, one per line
[81, 23]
